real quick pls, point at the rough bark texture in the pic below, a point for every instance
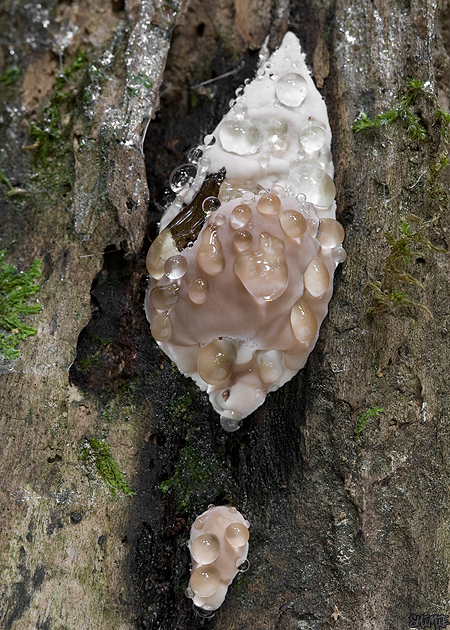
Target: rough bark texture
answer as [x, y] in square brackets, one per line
[344, 533]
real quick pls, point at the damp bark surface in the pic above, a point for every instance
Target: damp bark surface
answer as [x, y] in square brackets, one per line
[348, 529]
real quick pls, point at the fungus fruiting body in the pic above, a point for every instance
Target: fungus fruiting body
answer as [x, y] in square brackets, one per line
[218, 546]
[242, 269]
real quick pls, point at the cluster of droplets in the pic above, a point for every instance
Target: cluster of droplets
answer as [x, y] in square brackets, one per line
[253, 238]
[218, 546]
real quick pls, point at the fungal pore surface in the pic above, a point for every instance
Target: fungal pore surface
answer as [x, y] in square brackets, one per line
[218, 546]
[242, 269]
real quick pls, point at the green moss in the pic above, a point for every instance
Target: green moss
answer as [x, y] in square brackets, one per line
[15, 288]
[402, 111]
[361, 423]
[98, 454]
[11, 75]
[47, 132]
[193, 474]
[85, 364]
[411, 243]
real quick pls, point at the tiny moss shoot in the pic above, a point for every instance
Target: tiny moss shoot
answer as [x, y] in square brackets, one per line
[15, 288]
[361, 423]
[48, 131]
[410, 245]
[96, 453]
[193, 473]
[11, 75]
[390, 293]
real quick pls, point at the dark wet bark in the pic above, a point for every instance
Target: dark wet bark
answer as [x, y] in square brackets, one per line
[344, 532]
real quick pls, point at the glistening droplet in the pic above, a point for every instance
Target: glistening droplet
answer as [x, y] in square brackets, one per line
[205, 581]
[317, 278]
[215, 361]
[205, 548]
[303, 321]
[291, 89]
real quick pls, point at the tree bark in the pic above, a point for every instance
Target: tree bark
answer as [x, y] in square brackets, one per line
[347, 529]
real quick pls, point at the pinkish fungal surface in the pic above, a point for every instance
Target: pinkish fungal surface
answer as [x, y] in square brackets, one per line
[242, 270]
[218, 546]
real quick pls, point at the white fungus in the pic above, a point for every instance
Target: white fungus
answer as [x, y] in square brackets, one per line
[242, 276]
[218, 546]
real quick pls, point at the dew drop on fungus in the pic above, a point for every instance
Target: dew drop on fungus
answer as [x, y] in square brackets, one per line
[242, 240]
[293, 223]
[240, 136]
[209, 255]
[199, 522]
[308, 178]
[175, 267]
[205, 581]
[205, 549]
[268, 203]
[210, 204]
[181, 177]
[237, 534]
[270, 365]
[230, 420]
[240, 216]
[303, 321]
[161, 328]
[338, 254]
[264, 272]
[219, 219]
[215, 361]
[331, 233]
[291, 89]
[317, 277]
[277, 129]
[162, 248]
[165, 296]
[312, 138]
[198, 290]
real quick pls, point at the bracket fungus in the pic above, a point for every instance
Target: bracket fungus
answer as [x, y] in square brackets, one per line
[218, 546]
[242, 269]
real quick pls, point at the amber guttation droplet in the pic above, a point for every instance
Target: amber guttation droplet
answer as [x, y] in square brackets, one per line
[293, 223]
[316, 278]
[205, 548]
[264, 272]
[162, 248]
[331, 233]
[205, 581]
[270, 365]
[209, 256]
[215, 361]
[240, 216]
[162, 328]
[268, 204]
[242, 240]
[163, 297]
[303, 321]
[237, 534]
[198, 290]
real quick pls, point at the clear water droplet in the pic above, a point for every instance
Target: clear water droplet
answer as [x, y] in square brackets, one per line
[175, 267]
[308, 178]
[181, 177]
[312, 138]
[210, 204]
[338, 254]
[291, 89]
[240, 136]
